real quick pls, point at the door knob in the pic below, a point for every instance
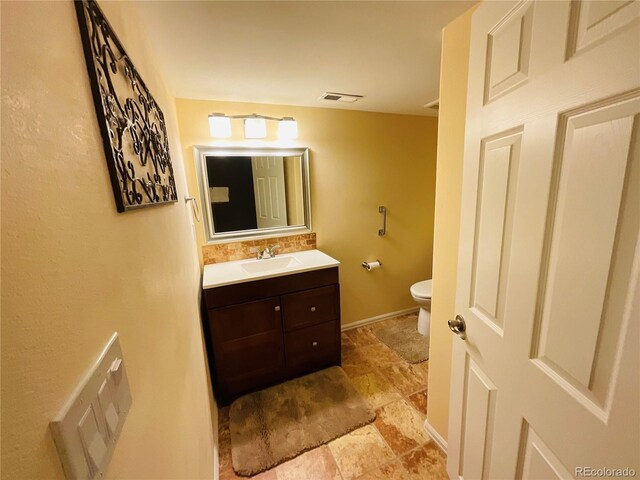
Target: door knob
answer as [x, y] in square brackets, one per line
[277, 309]
[458, 326]
[313, 309]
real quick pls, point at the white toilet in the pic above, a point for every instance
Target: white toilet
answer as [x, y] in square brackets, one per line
[421, 293]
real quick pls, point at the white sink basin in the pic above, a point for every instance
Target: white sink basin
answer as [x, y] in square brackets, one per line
[240, 271]
[269, 264]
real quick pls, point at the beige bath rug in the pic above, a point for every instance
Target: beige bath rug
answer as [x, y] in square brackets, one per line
[401, 335]
[276, 424]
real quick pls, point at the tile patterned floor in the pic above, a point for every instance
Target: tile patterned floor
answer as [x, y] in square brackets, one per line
[394, 447]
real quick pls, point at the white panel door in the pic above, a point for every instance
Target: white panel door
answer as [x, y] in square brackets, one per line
[269, 190]
[545, 377]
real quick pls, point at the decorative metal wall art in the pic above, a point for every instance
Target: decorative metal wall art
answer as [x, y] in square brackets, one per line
[131, 122]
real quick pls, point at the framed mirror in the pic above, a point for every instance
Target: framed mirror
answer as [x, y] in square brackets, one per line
[249, 192]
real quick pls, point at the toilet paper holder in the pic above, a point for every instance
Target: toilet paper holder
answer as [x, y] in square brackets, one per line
[371, 265]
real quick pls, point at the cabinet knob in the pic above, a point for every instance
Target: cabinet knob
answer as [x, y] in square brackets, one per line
[315, 344]
[277, 309]
[313, 309]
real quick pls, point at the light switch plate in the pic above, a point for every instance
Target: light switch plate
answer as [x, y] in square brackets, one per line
[87, 428]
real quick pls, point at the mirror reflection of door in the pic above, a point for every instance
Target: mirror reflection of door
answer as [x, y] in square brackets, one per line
[269, 191]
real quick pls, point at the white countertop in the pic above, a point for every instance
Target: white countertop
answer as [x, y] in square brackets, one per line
[229, 273]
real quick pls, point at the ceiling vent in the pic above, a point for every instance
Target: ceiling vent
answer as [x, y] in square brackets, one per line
[435, 105]
[340, 97]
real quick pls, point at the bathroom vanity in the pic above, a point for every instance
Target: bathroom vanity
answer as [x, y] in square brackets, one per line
[270, 320]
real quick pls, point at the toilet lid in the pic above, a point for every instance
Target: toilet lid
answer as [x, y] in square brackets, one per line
[421, 289]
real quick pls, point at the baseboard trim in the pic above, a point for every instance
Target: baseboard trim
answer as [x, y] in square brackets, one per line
[437, 438]
[379, 318]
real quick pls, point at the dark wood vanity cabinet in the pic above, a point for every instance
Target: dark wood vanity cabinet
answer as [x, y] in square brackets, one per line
[263, 332]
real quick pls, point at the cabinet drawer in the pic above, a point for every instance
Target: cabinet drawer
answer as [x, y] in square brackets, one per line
[310, 307]
[312, 347]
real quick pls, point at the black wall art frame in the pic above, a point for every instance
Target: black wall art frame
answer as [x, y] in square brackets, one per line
[132, 125]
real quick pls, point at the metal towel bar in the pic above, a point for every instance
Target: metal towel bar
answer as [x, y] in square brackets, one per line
[383, 211]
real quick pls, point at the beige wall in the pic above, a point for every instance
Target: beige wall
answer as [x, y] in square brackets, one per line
[74, 270]
[453, 99]
[359, 160]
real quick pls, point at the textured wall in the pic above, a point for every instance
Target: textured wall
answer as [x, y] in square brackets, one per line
[74, 271]
[453, 105]
[226, 252]
[358, 160]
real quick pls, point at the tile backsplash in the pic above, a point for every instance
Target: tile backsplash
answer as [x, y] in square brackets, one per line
[225, 252]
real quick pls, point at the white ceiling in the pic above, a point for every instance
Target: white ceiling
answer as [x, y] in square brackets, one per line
[291, 52]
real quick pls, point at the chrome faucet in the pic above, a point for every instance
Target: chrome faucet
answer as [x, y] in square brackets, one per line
[268, 252]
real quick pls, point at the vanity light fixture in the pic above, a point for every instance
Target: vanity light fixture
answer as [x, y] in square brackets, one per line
[255, 126]
[219, 125]
[287, 129]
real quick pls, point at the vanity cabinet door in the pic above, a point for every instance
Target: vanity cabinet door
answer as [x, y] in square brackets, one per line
[310, 307]
[248, 345]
